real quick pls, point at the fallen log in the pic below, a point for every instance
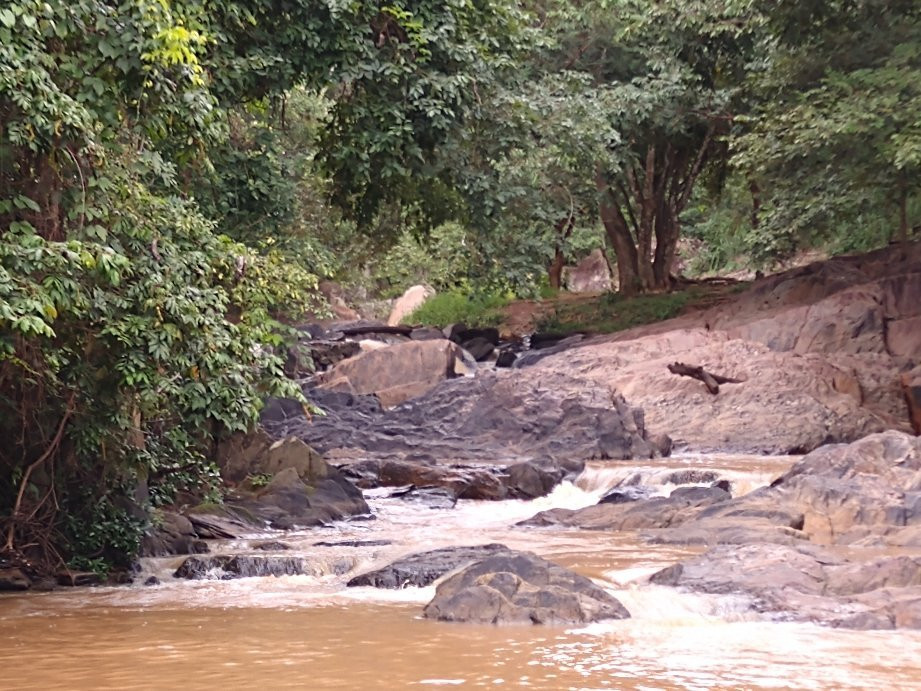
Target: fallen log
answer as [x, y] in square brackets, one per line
[710, 380]
[375, 329]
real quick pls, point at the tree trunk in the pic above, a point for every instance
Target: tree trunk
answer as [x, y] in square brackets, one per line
[667, 233]
[903, 211]
[755, 191]
[563, 230]
[555, 272]
[618, 233]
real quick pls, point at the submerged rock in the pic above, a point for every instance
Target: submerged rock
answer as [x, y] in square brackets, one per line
[521, 588]
[424, 568]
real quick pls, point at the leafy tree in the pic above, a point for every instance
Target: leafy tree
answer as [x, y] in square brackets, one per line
[835, 135]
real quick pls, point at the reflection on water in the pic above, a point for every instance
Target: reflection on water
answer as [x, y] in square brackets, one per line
[312, 633]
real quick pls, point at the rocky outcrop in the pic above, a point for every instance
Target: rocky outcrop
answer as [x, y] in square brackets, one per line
[424, 568]
[525, 480]
[521, 588]
[805, 582]
[397, 373]
[409, 302]
[821, 349]
[635, 513]
[171, 533]
[496, 417]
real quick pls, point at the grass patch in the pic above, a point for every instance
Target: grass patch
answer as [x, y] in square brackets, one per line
[612, 312]
[455, 307]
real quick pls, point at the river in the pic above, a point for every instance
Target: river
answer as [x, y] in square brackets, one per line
[311, 632]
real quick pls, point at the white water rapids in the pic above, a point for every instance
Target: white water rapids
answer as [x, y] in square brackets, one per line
[312, 632]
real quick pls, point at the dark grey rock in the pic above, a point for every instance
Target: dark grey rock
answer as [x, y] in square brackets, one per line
[230, 567]
[521, 588]
[424, 568]
[495, 417]
[14, 578]
[479, 348]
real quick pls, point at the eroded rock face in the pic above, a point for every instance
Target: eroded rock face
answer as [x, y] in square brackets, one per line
[396, 373]
[424, 568]
[821, 349]
[496, 417]
[521, 588]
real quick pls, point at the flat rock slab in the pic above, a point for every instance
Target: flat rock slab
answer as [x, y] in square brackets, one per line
[521, 588]
[805, 582]
[424, 568]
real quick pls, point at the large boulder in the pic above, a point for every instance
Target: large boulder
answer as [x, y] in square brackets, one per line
[396, 373]
[247, 455]
[408, 303]
[591, 275]
[171, 533]
[424, 568]
[288, 501]
[521, 588]
[496, 417]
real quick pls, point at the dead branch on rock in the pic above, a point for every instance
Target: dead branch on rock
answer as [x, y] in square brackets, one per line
[710, 380]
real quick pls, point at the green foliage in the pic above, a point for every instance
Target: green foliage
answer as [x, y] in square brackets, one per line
[459, 306]
[441, 259]
[834, 139]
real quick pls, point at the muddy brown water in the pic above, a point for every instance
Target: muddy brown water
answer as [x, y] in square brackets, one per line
[310, 632]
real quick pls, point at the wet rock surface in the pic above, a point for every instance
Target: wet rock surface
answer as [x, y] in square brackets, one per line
[433, 482]
[806, 582]
[228, 567]
[424, 568]
[496, 417]
[521, 588]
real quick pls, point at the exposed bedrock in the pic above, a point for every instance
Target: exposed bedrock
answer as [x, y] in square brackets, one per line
[496, 417]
